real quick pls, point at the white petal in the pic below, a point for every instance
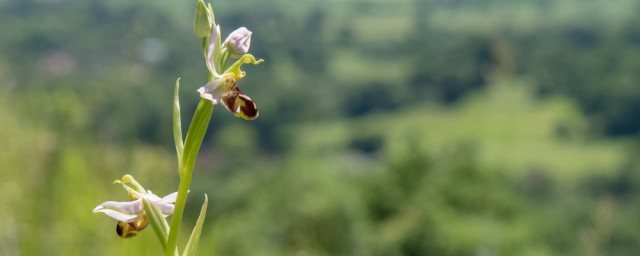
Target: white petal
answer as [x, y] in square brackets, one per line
[212, 90]
[165, 204]
[165, 208]
[152, 197]
[170, 198]
[122, 211]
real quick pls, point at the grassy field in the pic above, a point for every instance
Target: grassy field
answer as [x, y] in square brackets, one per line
[510, 129]
[386, 127]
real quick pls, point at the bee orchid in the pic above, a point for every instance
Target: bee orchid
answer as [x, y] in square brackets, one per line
[131, 215]
[222, 87]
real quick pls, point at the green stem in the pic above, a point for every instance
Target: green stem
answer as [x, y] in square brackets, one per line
[194, 138]
[225, 58]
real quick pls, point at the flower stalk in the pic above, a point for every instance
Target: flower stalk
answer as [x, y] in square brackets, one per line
[194, 138]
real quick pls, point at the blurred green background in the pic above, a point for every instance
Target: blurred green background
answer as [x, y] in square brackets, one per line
[387, 127]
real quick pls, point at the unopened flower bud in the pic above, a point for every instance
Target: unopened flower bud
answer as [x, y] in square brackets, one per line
[238, 42]
[202, 21]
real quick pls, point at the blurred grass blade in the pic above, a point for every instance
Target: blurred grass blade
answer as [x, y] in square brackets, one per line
[177, 125]
[195, 234]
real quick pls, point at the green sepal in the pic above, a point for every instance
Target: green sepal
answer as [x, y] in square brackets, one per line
[202, 21]
[212, 19]
[192, 245]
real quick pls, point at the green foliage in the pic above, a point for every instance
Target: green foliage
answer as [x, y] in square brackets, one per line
[386, 127]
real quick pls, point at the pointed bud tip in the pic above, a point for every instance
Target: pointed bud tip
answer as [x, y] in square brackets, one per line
[203, 20]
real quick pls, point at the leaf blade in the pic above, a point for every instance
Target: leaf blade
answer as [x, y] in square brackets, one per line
[177, 123]
[197, 229]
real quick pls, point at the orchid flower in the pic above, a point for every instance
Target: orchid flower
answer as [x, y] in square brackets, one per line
[222, 87]
[131, 215]
[238, 42]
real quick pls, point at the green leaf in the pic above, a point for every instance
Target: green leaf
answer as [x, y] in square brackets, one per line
[195, 234]
[158, 223]
[177, 125]
[195, 135]
[192, 144]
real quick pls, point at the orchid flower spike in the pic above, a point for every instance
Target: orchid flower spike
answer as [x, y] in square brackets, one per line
[222, 87]
[131, 215]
